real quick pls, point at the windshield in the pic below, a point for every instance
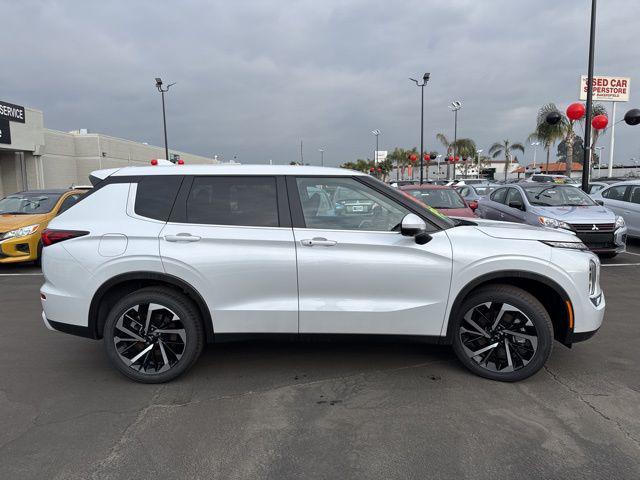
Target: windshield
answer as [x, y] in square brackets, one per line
[29, 203]
[557, 196]
[438, 198]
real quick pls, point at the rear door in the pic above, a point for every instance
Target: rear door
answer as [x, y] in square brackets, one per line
[616, 198]
[231, 238]
[356, 272]
[490, 206]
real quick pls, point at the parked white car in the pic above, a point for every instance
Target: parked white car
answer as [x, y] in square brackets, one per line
[157, 261]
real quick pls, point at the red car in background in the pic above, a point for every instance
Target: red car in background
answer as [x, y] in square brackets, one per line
[444, 199]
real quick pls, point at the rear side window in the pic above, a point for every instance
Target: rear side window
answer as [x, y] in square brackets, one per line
[229, 200]
[498, 195]
[155, 196]
[69, 202]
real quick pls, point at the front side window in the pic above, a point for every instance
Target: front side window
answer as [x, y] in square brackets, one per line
[514, 196]
[29, 203]
[615, 193]
[557, 196]
[233, 200]
[346, 204]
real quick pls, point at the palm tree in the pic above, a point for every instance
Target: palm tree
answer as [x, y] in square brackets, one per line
[548, 134]
[505, 148]
[463, 147]
[449, 146]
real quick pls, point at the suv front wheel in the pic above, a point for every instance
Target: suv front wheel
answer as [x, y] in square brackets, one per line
[503, 333]
[153, 335]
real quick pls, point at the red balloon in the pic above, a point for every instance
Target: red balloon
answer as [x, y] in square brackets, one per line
[599, 122]
[413, 157]
[426, 156]
[575, 111]
[371, 169]
[450, 158]
[457, 159]
[379, 169]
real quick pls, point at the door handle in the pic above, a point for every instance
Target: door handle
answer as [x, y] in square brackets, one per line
[181, 237]
[318, 241]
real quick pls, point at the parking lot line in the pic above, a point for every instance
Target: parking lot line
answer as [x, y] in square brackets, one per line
[632, 253]
[621, 265]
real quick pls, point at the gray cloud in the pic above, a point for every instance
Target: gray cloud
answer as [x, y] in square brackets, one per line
[256, 77]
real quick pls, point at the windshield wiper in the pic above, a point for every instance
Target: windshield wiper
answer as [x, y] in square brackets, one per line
[541, 204]
[14, 213]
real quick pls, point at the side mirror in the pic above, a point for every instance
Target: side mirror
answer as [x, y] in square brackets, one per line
[516, 204]
[412, 225]
[600, 202]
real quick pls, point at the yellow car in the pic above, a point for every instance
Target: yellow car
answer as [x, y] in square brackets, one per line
[23, 217]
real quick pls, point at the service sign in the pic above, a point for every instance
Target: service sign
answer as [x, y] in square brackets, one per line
[607, 89]
[5, 132]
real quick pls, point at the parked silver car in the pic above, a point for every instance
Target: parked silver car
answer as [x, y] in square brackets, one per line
[623, 199]
[558, 206]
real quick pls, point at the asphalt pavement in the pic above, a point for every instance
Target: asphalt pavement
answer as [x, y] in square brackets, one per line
[318, 410]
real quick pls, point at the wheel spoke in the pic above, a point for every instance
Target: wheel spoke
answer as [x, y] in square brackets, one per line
[503, 309]
[482, 350]
[164, 354]
[509, 360]
[532, 338]
[471, 322]
[175, 331]
[121, 327]
[137, 357]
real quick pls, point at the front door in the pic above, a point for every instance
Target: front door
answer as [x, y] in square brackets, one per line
[356, 272]
[230, 237]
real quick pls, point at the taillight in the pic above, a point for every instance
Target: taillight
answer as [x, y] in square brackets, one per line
[50, 236]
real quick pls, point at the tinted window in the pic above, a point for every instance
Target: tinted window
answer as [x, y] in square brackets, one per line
[615, 193]
[226, 200]
[464, 191]
[635, 194]
[498, 195]
[69, 202]
[346, 204]
[155, 196]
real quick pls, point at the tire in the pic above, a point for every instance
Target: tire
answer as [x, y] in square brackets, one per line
[161, 351]
[514, 322]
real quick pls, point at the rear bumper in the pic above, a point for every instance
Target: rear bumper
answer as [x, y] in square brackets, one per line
[67, 328]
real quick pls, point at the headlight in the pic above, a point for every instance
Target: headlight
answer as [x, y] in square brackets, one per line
[619, 222]
[553, 223]
[19, 232]
[593, 277]
[569, 245]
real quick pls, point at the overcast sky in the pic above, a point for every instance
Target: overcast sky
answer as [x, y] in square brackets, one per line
[256, 77]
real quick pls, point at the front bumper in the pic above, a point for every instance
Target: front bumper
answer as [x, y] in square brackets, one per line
[20, 249]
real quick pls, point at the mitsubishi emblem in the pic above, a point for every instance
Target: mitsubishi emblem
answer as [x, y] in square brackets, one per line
[595, 227]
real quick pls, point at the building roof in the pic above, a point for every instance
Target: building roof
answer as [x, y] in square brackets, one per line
[556, 167]
[226, 169]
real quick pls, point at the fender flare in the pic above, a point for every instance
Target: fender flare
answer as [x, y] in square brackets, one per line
[94, 320]
[497, 275]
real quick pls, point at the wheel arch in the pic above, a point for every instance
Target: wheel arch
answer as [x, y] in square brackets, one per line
[116, 287]
[552, 296]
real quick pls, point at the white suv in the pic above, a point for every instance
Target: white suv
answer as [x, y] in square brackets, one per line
[156, 261]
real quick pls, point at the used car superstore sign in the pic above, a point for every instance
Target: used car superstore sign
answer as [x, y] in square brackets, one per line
[612, 89]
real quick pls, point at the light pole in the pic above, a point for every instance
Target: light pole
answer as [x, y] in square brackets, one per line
[438, 161]
[425, 79]
[321, 150]
[375, 133]
[164, 116]
[535, 150]
[455, 106]
[587, 124]
[478, 152]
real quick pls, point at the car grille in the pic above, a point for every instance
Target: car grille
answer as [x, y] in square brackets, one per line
[597, 240]
[588, 227]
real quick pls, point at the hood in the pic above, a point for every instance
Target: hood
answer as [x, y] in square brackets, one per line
[457, 212]
[586, 214]
[11, 222]
[520, 231]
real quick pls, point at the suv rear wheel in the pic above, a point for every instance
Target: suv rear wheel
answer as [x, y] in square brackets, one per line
[502, 333]
[153, 335]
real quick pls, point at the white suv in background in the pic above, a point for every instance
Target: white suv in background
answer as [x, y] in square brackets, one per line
[157, 261]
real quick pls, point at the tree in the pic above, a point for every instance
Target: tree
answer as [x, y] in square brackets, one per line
[577, 150]
[505, 148]
[548, 134]
[463, 147]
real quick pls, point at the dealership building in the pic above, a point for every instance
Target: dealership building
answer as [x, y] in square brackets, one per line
[34, 157]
